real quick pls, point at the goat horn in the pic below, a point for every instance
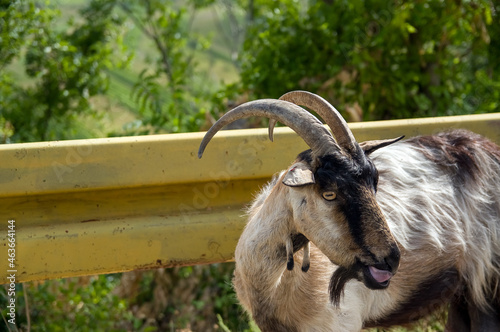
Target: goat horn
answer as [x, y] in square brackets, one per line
[301, 121]
[332, 117]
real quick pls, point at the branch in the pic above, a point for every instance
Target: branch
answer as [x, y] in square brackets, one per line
[150, 30]
[136, 20]
[165, 56]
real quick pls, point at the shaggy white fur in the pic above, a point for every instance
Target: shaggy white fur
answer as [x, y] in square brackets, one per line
[444, 227]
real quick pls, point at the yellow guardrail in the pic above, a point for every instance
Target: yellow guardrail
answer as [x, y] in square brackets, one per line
[117, 204]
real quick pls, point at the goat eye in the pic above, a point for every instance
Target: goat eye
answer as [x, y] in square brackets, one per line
[329, 195]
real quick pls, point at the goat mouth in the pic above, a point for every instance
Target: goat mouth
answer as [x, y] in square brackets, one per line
[376, 276]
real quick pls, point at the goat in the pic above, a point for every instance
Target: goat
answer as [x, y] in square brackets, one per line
[388, 236]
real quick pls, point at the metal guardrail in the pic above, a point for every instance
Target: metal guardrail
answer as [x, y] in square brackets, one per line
[118, 204]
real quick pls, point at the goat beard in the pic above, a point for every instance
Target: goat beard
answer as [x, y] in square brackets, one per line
[339, 278]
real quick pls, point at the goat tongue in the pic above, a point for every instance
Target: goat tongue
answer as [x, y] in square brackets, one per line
[380, 276]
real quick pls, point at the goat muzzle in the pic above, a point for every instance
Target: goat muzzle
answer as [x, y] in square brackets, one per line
[378, 275]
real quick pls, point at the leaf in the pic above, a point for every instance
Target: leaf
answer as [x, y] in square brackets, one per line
[410, 28]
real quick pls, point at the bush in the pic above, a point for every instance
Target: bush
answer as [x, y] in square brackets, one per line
[65, 68]
[379, 59]
[72, 304]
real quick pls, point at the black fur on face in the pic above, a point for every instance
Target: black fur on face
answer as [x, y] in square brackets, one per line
[354, 179]
[349, 178]
[348, 172]
[339, 278]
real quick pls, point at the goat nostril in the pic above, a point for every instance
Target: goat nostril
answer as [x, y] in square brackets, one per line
[392, 261]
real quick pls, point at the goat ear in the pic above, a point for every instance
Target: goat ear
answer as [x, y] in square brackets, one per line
[298, 175]
[371, 146]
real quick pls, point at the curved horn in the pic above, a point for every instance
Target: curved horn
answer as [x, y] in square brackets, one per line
[332, 117]
[301, 121]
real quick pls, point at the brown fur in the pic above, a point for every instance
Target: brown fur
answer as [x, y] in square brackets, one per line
[466, 317]
[456, 149]
[378, 237]
[297, 301]
[439, 195]
[435, 267]
[431, 294]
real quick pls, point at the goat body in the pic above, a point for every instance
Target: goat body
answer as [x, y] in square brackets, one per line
[389, 235]
[440, 196]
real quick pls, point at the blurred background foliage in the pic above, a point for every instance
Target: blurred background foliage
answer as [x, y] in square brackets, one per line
[378, 59]
[97, 68]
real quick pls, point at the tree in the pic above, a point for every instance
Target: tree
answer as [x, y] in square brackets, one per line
[167, 96]
[65, 67]
[378, 59]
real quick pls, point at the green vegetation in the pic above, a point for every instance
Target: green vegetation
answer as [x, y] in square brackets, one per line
[378, 59]
[83, 304]
[80, 69]
[65, 68]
